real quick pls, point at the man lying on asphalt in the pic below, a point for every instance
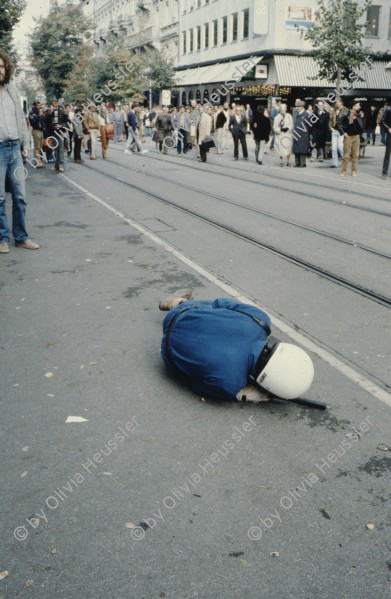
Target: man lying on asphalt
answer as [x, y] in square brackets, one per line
[224, 348]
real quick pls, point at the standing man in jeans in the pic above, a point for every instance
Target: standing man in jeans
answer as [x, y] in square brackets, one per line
[56, 118]
[336, 136]
[387, 128]
[118, 120]
[182, 125]
[14, 142]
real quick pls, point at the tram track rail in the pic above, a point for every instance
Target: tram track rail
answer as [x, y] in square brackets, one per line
[193, 166]
[333, 236]
[337, 279]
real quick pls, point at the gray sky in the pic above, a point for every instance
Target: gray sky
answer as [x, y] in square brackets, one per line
[35, 8]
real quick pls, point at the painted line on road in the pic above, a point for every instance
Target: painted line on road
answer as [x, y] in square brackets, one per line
[323, 354]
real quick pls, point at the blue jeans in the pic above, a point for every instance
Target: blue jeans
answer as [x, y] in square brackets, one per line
[118, 132]
[11, 166]
[133, 137]
[182, 141]
[59, 154]
[336, 146]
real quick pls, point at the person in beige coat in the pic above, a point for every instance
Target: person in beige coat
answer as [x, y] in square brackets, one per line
[204, 128]
[283, 127]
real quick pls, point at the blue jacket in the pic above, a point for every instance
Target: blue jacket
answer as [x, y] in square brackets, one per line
[132, 121]
[215, 343]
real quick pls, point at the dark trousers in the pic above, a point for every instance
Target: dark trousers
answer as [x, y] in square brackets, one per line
[203, 154]
[386, 162]
[182, 141]
[77, 148]
[383, 134]
[240, 137]
[371, 133]
[300, 159]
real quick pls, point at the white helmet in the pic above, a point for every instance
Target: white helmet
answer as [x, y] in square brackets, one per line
[288, 372]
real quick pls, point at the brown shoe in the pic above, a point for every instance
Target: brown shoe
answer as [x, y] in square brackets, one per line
[172, 301]
[27, 244]
[384, 177]
[4, 248]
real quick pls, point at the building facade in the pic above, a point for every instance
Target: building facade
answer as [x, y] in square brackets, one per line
[143, 23]
[229, 32]
[211, 40]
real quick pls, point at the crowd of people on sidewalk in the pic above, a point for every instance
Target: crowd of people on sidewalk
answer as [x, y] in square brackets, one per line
[300, 133]
[303, 132]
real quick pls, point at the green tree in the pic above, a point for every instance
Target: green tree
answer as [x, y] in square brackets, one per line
[160, 69]
[10, 15]
[80, 82]
[129, 73]
[338, 38]
[56, 44]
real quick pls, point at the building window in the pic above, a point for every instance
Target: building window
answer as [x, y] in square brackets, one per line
[184, 42]
[246, 21]
[215, 32]
[206, 31]
[206, 2]
[191, 41]
[373, 16]
[389, 27]
[225, 27]
[198, 42]
[183, 98]
[198, 3]
[235, 27]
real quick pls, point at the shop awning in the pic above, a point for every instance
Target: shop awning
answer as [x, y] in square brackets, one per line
[216, 73]
[303, 71]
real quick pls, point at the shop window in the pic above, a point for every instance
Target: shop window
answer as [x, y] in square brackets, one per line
[206, 95]
[183, 98]
[198, 95]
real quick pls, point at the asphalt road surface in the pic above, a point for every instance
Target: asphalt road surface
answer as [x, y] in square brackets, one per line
[154, 492]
